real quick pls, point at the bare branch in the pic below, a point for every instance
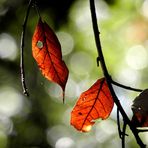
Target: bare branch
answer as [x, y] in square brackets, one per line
[22, 69]
[142, 130]
[126, 87]
[107, 76]
[124, 134]
[118, 123]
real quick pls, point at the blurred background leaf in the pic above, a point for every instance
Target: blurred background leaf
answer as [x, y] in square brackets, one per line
[42, 121]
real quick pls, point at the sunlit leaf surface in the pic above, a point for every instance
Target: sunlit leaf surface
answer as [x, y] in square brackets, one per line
[94, 103]
[46, 50]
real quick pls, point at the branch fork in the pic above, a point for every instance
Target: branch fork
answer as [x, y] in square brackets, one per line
[110, 82]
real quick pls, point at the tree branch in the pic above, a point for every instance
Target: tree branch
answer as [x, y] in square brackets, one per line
[22, 69]
[142, 130]
[118, 123]
[124, 134]
[126, 87]
[107, 76]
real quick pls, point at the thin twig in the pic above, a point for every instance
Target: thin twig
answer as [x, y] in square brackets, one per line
[37, 8]
[124, 134]
[126, 87]
[118, 123]
[142, 130]
[107, 76]
[25, 91]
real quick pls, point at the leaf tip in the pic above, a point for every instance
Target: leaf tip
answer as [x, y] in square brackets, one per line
[86, 128]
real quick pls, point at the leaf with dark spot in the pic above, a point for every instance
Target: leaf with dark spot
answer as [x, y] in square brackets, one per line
[94, 103]
[46, 50]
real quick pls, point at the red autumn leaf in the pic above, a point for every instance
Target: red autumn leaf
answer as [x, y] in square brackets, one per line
[94, 103]
[46, 50]
[140, 110]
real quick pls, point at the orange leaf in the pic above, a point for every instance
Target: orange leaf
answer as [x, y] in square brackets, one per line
[46, 50]
[94, 103]
[140, 110]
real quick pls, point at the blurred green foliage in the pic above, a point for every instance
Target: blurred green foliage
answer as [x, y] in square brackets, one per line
[42, 121]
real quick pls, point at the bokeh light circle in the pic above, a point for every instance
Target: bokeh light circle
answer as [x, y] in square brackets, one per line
[8, 47]
[137, 57]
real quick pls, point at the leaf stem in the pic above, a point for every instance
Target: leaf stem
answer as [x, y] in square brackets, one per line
[37, 9]
[107, 76]
[22, 69]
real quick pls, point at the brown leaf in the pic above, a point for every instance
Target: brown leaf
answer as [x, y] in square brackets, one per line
[140, 110]
[46, 50]
[94, 103]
